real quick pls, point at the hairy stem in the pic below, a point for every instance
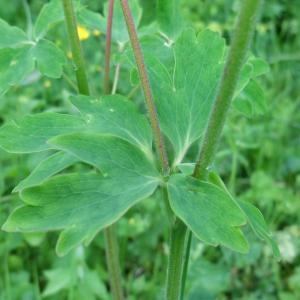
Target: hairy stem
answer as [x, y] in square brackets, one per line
[235, 60]
[77, 53]
[236, 57]
[176, 260]
[112, 259]
[108, 46]
[111, 239]
[158, 137]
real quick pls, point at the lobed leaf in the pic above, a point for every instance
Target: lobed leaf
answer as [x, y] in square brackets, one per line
[32, 132]
[11, 36]
[115, 115]
[253, 215]
[45, 169]
[49, 58]
[15, 65]
[184, 91]
[259, 226]
[80, 204]
[110, 154]
[169, 17]
[50, 14]
[210, 213]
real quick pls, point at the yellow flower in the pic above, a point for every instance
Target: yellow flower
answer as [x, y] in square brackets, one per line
[83, 33]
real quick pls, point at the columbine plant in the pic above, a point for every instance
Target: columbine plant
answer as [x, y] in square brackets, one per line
[188, 81]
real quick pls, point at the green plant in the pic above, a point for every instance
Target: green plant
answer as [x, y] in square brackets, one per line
[111, 140]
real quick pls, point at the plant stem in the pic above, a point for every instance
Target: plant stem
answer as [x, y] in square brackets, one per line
[111, 239]
[236, 57]
[186, 262]
[108, 46]
[112, 259]
[158, 138]
[235, 60]
[176, 260]
[77, 53]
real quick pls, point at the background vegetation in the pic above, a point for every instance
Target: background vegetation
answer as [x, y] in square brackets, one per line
[259, 159]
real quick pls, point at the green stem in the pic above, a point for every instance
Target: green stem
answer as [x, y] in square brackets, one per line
[108, 46]
[236, 57]
[77, 53]
[145, 83]
[111, 239]
[83, 88]
[235, 60]
[112, 259]
[186, 263]
[176, 260]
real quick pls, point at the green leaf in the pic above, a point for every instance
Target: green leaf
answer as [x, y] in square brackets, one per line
[51, 14]
[115, 115]
[251, 101]
[253, 214]
[184, 92]
[169, 17]
[32, 132]
[11, 36]
[57, 279]
[50, 59]
[259, 66]
[110, 154]
[210, 213]
[45, 169]
[119, 30]
[259, 226]
[81, 204]
[92, 20]
[15, 65]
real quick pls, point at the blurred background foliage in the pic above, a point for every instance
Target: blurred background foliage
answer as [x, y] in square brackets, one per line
[258, 159]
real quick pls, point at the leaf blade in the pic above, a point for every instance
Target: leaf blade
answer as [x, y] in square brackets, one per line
[209, 212]
[31, 133]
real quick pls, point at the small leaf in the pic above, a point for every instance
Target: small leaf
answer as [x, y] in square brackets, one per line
[259, 66]
[58, 279]
[15, 65]
[169, 17]
[259, 226]
[50, 59]
[45, 169]
[251, 101]
[92, 20]
[117, 116]
[210, 213]
[253, 214]
[119, 30]
[81, 204]
[108, 153]
[51, 14]
[32, 132]
[11, 36]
